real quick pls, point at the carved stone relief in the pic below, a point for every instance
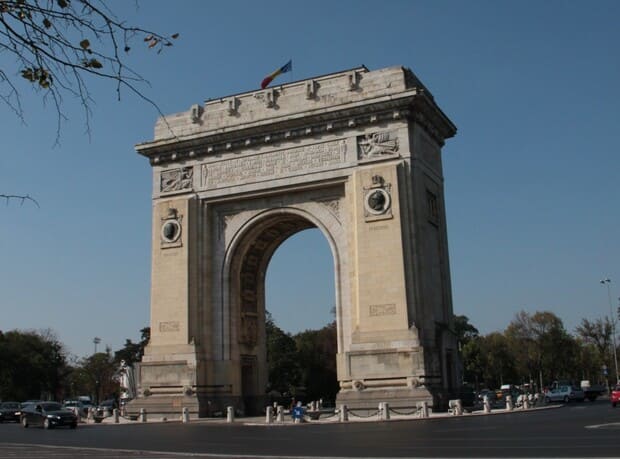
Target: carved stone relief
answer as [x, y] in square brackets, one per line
[377, 144]
[171, 229]
[278, 163]
[333, 205]
[176, 179]
[249, 329]
[378, 200]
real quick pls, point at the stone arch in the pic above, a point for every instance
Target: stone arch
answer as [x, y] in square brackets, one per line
[361, 161]
[245, 265]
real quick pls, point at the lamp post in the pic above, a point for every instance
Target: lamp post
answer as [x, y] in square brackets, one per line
[606, 282]
[97, 340]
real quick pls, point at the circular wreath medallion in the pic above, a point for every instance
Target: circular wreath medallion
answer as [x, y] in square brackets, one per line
[377, 201]
[170, 231]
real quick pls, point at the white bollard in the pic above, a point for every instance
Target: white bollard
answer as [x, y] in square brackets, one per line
[143, 414]
[269, 415]
[91, 414]
[280, 414]
[487, 404]
[116, 416]
[456, 407]
[185, 415]
[509, 405]
[422, 409]
[344, 413]
[230, 414]
[526, 403]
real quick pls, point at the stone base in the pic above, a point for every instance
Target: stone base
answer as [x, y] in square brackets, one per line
[400, 397]
[169, 406]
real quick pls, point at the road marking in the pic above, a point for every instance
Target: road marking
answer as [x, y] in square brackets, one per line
[104, 453]
[612, 425]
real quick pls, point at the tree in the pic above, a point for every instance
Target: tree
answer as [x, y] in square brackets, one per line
[57, 45]
[598, 336]
[99, 371]
[474, 361]
[33, 365]
[543, 348]
[317, 358]
[499, 361]
[133, 352]
[282, 360]
[464, 331]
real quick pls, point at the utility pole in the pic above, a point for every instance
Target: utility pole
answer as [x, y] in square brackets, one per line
[96, 340]
[606, 282]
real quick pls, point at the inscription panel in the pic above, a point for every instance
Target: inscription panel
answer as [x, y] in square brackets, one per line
[165, 327]
[382, 310]
[281, 163]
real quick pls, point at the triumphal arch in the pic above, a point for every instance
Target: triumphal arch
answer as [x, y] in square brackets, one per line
[356, 154]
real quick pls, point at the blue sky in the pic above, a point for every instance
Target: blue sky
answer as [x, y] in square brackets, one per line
[532, 177]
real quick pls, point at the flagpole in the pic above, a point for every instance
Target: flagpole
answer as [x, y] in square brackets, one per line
[292, 70]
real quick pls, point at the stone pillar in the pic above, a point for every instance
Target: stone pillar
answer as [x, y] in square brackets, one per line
[230, 414]
[384, 411]
[269, 415]
[487, 404]
[143, 414]
[422, 409]
[185, 415]
[526, 402]
[509, 405]
[280, 413]
[457, 407]
[344, 413]
[115, 415]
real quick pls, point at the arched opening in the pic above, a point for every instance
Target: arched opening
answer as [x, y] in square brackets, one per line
[248, 301]
[301, 331]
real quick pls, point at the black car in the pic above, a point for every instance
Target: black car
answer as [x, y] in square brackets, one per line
[106, 408]
[48, 415]
[10, 411]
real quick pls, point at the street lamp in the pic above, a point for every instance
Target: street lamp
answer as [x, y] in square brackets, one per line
[97, 340]
[613, 326]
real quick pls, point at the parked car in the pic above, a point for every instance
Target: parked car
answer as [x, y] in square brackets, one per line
[615, 396]
[29, 403]
[10, 411]
[105, 408]
[77, 405]
[48, 415]
[565, 394]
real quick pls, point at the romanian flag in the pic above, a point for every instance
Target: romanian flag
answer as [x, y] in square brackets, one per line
[268, 79]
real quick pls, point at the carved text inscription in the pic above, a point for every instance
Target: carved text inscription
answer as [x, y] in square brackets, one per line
[169, 326]
[382, 310]
[275, 164]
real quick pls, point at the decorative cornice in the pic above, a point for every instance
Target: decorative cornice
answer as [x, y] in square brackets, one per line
[414, 104]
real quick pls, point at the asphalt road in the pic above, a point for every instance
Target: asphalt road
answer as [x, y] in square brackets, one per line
[575, 430]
